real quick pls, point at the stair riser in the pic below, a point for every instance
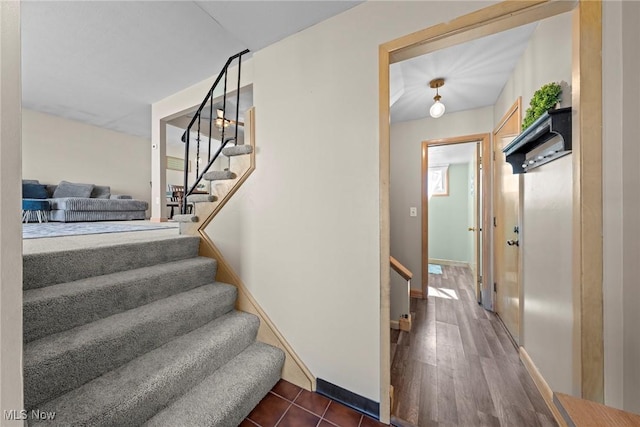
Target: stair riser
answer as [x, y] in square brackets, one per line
[231, 392]
[51, 310]
[46, 269]
[57, 364]
[197, 355]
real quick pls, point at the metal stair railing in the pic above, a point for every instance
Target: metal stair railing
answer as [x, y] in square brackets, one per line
[195, 126]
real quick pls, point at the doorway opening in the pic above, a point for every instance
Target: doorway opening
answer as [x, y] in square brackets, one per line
[586, 102]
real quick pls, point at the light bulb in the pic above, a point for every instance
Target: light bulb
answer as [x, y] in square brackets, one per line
[437, 109]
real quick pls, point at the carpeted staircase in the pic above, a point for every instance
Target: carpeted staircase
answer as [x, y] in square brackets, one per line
[139, 334]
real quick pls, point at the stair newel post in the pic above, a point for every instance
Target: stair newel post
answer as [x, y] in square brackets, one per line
[183, 206]
[237, 102]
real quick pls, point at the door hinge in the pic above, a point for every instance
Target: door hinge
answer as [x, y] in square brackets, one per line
[495, 223]
[495, 287]
[494, 156]
[480, 279]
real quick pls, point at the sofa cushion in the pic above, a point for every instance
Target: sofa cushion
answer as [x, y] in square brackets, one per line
[34, 191]
[78, 204]
[71, 189]
[101, 192]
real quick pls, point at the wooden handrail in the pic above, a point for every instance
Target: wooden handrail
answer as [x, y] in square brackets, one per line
[400, 269]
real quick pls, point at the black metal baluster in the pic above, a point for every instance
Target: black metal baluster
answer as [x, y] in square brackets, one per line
[197, 150]
[224, 111]
[183, 206]
[237, 101]
[210, 124]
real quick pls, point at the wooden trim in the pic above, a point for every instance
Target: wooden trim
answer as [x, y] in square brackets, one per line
[588, 347]
[424, 188]
[543, 387]
[385, 232]
[416, 293]
[483, 139]
[400, 269]
[294, 370]
[515, 108]
[490, 20]
[581, 412]
[395, 324]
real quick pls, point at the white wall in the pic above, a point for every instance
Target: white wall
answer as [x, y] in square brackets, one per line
[406, 167]
[307, 243]
[621, 155]
[546, 230]
[10, 226]
[56, 149]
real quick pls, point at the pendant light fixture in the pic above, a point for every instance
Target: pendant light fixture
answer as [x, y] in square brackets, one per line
[437, 109]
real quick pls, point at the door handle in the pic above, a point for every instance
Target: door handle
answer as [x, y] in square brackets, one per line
[471, 229]
[513, 243]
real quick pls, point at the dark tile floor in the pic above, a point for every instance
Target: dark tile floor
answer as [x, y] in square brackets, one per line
[287, 405]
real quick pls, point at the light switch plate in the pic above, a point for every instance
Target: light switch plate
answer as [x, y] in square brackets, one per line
[413, 211]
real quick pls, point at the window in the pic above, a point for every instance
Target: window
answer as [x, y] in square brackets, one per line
[438, 180]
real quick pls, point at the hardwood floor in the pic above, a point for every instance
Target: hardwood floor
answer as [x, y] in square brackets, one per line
[458, 366]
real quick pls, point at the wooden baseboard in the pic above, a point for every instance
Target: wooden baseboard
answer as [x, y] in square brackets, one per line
[405, 323]
[416, 293]
[543, 387]
[449, 262]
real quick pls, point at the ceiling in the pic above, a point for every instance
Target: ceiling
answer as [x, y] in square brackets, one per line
[475, 73]
[105, 62]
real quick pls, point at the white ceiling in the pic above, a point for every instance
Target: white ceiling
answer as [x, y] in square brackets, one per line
[475, 73]
[451, 154]
[105, 62]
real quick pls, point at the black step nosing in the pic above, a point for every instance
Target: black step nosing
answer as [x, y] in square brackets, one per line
[105, 280]
[164, 356]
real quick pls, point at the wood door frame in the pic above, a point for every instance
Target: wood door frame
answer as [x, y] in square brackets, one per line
[484, 140]
[587, 167]
[515, 109]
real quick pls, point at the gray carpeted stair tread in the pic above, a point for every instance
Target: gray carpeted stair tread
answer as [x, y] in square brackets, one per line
[58, 363]
[57, 308]
[134, 392]
[44, 269]
[219, 175]
[185, 218]
[227, 396]
[237, 150]
[201, 198]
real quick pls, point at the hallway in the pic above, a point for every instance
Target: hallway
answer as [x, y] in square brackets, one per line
[457, 366]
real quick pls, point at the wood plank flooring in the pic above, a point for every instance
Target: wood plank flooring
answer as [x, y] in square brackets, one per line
[458, 366]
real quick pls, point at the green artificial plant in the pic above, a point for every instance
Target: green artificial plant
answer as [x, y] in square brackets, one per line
[543, 99]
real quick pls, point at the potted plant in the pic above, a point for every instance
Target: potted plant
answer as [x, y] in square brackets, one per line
[543, 100]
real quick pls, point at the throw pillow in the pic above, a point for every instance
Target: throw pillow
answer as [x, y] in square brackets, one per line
[34, 191]
[30, 181]
[101, 192]
[71, 189]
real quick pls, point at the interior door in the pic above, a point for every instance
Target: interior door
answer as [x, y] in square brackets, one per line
[507, 228]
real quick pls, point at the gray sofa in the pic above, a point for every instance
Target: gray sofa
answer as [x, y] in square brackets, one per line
[72, 202]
